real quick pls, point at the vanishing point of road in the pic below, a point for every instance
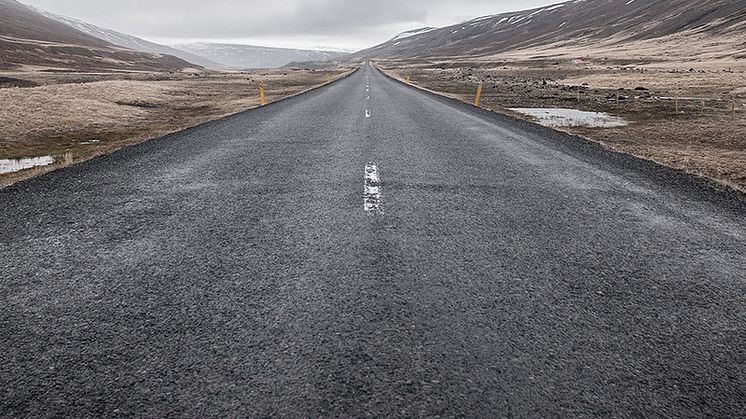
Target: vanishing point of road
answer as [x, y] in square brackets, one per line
[369, 249]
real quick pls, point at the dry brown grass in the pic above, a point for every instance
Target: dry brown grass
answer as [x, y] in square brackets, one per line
[704, 141]
[93, 114]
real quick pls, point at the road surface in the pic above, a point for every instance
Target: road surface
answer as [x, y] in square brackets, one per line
[371, 249]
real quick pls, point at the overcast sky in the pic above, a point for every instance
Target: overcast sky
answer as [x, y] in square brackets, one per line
[343, 24]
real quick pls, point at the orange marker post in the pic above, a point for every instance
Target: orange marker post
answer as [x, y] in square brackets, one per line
[261, 93]
[479, 95]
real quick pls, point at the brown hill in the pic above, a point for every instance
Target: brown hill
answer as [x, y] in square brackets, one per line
[29, 39]
[690, 25]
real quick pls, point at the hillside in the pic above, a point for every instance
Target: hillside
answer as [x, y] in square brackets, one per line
[576, 26]
[242, 57]
[129, 41]
[29, 39]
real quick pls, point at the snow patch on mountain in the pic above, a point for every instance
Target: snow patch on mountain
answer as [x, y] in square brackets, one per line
[414, 32]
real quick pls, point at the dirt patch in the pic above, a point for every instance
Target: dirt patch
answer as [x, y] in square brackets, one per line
[688, 119]
[6, 82]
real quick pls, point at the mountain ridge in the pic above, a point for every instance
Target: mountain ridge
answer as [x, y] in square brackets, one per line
[126, 40]
[241, 56]
[572, 23]
[30, 39]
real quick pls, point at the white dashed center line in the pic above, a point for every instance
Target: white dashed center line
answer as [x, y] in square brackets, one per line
[372, 189]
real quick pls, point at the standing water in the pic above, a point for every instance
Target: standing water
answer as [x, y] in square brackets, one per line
[558, 117]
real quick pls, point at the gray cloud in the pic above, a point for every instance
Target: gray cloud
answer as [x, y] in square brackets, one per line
[344, 23]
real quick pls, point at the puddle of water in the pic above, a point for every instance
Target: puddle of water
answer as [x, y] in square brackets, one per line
[14, 165]
[558, 117]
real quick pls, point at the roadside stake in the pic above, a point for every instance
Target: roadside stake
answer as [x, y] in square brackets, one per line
[479, 95]
[261, 92]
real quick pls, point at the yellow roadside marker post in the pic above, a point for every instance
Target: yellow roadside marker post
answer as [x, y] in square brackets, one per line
[479, 95]
[261, 92]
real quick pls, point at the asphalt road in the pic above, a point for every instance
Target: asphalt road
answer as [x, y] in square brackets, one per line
[479, 267]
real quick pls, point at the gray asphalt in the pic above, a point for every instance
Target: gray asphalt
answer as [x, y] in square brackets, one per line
[511, 271]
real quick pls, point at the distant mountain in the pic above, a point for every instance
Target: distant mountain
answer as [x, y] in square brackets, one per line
[240, 57]
[129, 41]
[27, 38]
[578, 22]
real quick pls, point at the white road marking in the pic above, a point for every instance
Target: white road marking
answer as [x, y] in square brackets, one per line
[367, 114]
[372, 200]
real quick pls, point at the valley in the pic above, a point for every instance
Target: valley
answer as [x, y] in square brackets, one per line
[535, 213]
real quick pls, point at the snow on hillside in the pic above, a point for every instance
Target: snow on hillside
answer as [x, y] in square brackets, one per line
[412, 33]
